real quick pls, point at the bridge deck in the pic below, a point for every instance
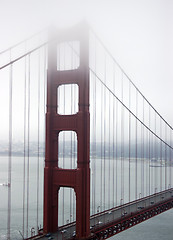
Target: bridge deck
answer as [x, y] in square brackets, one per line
[108, 223]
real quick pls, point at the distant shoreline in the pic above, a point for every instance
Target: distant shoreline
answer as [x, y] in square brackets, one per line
[4, 154]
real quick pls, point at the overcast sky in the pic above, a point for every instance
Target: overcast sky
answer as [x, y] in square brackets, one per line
[138, 33]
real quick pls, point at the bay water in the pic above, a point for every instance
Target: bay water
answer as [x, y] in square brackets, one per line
[159, 227]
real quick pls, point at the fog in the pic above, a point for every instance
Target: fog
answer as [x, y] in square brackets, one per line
[139, 35]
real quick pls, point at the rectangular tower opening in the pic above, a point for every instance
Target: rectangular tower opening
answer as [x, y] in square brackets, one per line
[67, 206]
[68, 99]
[67, 150]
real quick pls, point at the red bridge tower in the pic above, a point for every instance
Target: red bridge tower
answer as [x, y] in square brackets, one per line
[54, 176]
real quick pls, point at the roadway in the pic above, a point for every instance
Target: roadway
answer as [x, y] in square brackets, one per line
[115, 215]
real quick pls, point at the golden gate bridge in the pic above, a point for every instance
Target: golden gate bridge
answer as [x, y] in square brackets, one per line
[108, 152]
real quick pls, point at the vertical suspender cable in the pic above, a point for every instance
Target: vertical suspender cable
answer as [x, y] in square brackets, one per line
[28, 150]
[109, 168]
[113, 116]
[116, 140]
[122, 144]
[142, 151]
[149, 154]
[94, 132]
[71, 134]
[129, 139]
[94, 140]
[95, 129]
[75, 156]
[38, 141]
[93, 173]
[146, 158]
[144, 148]
[44, 109]
[63, 194]
[72, 162]
[142, 156]
[71, 157]
[152, 157]
[10, 148]
[45, 80]
[24, 152]
[45, 89]
[74, 145]
[170, 158]
[161, 155]
[151, 162]
[105, 135]
[101, 180]
[155, 153]
[165, 158]
[136, 154]
[141, 160]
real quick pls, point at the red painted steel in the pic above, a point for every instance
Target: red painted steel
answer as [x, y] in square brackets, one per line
[55, 177]
[116, 226]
